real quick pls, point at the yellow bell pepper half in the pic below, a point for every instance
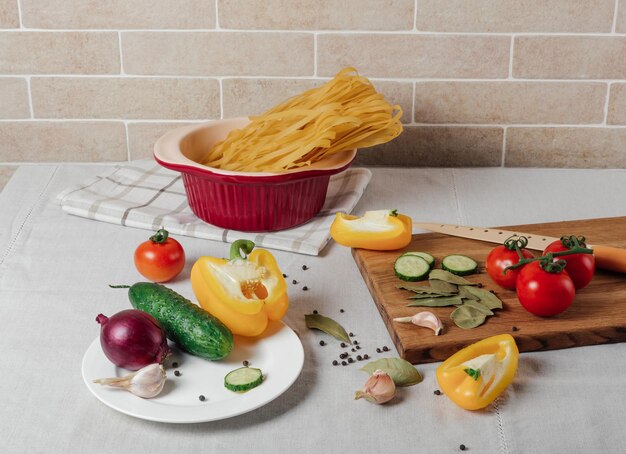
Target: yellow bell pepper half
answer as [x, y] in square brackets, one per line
[244, 292]
[380, 230]
[474, 376]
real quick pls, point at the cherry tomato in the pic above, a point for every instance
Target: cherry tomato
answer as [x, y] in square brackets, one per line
[543, 293]
[580, 267]
[160, 259]
[498, 259]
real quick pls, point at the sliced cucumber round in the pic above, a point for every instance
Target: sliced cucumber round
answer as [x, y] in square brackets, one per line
[425, 255]
[411, 268]
[460, 265]
[243, 379]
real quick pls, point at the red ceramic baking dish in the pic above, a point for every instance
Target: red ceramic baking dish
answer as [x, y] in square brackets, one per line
[245, 201]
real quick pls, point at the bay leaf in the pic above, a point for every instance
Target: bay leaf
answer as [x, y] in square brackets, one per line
[327, 325]
[444, 275]
[437, 302]
[423, 289]
[442, 286]
[478, 306]
[466, 294]
[401, 372]
[467, 317]
[486, 297]
[431, 295]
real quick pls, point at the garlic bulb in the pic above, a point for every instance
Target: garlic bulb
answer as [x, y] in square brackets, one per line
[147, 382]
[378, 389]
[424, 319]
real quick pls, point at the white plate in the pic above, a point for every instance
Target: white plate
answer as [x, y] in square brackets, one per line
[278, 353]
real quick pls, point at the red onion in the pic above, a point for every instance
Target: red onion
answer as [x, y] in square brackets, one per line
[132, 339]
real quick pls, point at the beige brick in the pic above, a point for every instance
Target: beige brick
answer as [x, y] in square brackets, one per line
[6, 172]
[134, 98]
[438, 146]
[621, 17]
[414, 56]
[244, 97]
[617, 104]
[78, 141]
[59, 53]
[326, 15]
[510, 102]
[14, 98]
[569, 57]
[115, 14]
[8, 14]
[218, 53]
[142, 136]
[566, 147]
[515, 16]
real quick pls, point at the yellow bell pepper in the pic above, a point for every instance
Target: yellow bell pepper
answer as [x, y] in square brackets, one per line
[244, 292]
[474, 376]
[380, 230]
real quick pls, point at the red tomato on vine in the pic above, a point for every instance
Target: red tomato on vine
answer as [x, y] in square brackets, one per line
[504, 256]
[545, 289]
[580, 267]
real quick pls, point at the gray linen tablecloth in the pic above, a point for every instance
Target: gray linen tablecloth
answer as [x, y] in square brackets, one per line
[53, 274]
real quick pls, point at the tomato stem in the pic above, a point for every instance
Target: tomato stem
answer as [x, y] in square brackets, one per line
[160, 236]
[547, 263]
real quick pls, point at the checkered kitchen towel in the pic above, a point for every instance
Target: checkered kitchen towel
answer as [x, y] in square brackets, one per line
[145, 195]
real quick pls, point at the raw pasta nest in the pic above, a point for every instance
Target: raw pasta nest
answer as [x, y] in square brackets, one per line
[345, 113]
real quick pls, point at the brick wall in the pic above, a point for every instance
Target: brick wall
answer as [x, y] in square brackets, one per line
[532, 83]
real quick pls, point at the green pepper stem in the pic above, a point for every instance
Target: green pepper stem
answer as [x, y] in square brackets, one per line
[240, 246]
[160, 236]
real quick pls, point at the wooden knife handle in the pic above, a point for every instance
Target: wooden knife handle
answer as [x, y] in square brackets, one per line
[610, 258]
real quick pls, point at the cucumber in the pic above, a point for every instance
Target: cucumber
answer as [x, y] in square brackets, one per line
[460, 265]
[411, 268]
[243, 379]
[191, 327]
[425, 255]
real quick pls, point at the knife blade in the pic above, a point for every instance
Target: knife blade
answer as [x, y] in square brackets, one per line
[607, 257]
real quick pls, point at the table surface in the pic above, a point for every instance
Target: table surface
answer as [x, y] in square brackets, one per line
[54, 269]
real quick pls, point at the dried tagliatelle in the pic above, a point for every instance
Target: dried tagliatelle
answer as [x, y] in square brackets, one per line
[345, 113]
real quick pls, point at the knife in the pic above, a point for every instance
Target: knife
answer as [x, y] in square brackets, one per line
[607, 257]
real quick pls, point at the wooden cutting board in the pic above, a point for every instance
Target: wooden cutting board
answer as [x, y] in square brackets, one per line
[597, 316]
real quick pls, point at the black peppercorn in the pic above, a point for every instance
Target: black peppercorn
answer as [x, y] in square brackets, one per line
[284, 275]
[246, 363]
[343, 345]
[343, 355]
[315, 312]
[343, 363]
[304, 267]
[202, 398]
[350, 360]
[174, 365]
[305, 288]
[356, 342]
[463, 447]
[322, 343]
[436, 392]
[341, 310]
[366, 356]
[385, 348]
[294, 282]
[177, 373]
[335, 362]
[358, 347]
[359, 358]
[515, 328]
[378, 350]
[353, 350]
[351, 334]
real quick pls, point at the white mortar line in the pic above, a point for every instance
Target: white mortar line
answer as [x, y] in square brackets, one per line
[19, 15]
[128, 158]
[413, 106]
[504, 131]
[511, 50]
[119, 42]
[614, 27]
[220, 80]
[321, 32]
[415, 16]
[606, 104]
[30, 98]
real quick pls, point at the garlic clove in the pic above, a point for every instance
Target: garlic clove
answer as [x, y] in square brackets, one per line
[378, 389]
[147, 382]
[424, 319]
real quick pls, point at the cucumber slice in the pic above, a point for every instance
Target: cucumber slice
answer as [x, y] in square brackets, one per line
[460, 265]
[425, 255]
[243, 379]
[411, 268]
